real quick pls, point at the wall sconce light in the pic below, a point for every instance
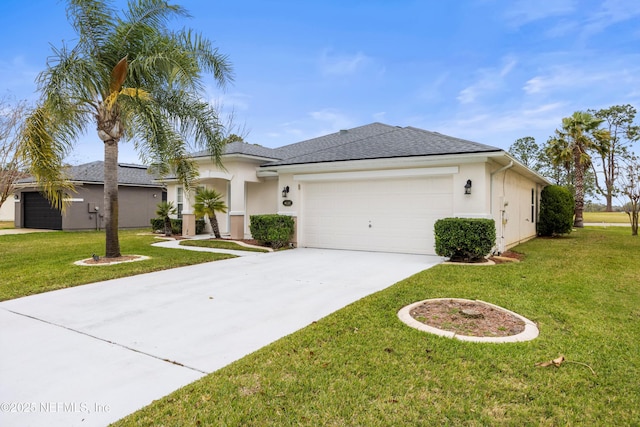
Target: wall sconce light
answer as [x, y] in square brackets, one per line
[467, 187]
[285, 191]
[155, 196]
[16, 197]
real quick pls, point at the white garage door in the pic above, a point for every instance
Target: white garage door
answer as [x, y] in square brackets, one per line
[391, 215]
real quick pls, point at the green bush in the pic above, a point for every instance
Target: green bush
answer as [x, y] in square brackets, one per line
[556, 211]
[273, 230]
[176, 225]
[465, 239]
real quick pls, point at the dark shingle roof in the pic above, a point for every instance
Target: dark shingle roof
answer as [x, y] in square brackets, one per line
[94, 173]
[332, 140]
[376, 141]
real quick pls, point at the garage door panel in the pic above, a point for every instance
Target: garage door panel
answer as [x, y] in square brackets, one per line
[380, 215]
[38, 212]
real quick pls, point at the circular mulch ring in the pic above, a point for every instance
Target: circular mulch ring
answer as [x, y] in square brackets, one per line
[111, 261]
[468, 320]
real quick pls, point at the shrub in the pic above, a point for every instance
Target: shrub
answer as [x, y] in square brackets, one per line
[556, 211]
[176, 225]
[273, 230]
[465, 239]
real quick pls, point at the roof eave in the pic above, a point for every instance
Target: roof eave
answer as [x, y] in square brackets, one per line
[387, 162]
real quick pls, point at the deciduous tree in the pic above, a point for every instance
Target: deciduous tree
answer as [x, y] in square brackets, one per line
[613, 148]
[12, 167]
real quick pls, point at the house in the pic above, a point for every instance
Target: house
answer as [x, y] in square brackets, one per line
[7, 210]
[376, 188]
[138, 197]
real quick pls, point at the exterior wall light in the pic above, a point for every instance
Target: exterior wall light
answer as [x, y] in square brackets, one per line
[285, 191]
[467, 187]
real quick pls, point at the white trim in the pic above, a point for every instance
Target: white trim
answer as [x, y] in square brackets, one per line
[236, 213]
[294, 214]
[73, 200]
[397, 162]
[378, 174]
[213, 174]
[266, 174]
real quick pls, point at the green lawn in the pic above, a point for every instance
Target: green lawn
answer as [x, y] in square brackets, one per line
[607, 217]
[41, 262]
[362, 366]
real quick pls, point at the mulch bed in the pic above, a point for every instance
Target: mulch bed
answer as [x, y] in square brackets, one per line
[103, 260]
[478, 319]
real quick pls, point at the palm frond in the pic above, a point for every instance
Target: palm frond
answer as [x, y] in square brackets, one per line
[69, 77]
[93, 22]
[45, 152]
[208, 57]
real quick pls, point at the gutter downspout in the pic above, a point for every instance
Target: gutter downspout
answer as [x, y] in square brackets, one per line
[501, 245]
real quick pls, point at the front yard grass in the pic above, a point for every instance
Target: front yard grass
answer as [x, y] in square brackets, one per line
[362, 366]
[606, 217]
[41, 262]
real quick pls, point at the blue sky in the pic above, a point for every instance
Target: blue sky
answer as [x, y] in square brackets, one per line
[490, 71]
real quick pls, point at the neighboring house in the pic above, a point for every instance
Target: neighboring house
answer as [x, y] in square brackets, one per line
[138, 197]
[7, 209]
[375, 188]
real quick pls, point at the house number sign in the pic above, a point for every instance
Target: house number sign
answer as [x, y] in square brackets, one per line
[287, 202]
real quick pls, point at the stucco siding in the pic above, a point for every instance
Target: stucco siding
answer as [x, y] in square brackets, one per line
[262, 198]
[512, 208]
[7, 210]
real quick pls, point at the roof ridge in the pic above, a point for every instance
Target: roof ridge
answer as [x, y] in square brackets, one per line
[333, 147]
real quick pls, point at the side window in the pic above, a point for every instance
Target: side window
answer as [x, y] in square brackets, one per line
[179, 202]
[533, 205]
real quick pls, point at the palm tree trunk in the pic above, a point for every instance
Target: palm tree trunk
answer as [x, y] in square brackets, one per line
[167, 226]
[111, 198]
[578, 222]
[214, 226]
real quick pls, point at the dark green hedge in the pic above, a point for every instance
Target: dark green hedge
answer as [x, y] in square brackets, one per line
[465, 239]
[556, 211]
[176, 225]
[273, 230]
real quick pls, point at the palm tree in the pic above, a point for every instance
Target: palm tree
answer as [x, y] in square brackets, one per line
[163, 211]
[571, 145]
[208, 202]
[130, 76]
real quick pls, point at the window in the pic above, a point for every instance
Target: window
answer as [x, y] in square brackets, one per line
[533, 205]
[179, 202]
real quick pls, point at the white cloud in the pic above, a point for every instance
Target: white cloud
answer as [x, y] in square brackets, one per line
[525, 11]
[313, 124]
[500, 127]
[431, 90]
[233, 101]
[341, 65]
[565, 78]
[611, 12]
[490, 80]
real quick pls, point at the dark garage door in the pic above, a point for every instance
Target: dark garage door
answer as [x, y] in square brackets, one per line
[38, 212]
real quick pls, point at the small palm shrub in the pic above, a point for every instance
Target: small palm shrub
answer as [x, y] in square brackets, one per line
[208, 202]
[465, 239]
[176, 225]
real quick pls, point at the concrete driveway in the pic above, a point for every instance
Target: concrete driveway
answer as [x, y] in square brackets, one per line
[89, 355]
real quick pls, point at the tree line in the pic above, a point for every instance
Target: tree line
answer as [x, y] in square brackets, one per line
[591, 154]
